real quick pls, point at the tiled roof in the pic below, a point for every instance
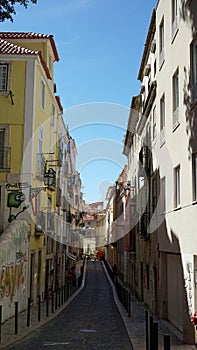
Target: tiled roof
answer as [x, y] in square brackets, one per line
[23, 35]
[28, 36]
[9, 48]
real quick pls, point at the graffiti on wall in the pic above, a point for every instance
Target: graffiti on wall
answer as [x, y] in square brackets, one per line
[11, 279]
[15, 198]
[13, 261]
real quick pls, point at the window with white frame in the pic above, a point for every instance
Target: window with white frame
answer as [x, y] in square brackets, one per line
[3, 77]
[177, 187]
[194, 72]
[154, 123]
[162, 119]
[163, 195]
[42, 94]
[174, 17]
[175, 89]
[161, 42]
[194, 175]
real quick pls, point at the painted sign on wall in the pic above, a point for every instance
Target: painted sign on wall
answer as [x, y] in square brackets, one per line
[15, 198]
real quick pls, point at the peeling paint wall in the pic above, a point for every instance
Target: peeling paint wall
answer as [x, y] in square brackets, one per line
[14, 245]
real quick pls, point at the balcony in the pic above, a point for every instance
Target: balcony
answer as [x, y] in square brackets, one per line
[58, 197]
[50, 223]
[5, 158]
[40, 224]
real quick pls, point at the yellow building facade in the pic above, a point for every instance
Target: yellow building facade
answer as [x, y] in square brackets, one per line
[29, 152]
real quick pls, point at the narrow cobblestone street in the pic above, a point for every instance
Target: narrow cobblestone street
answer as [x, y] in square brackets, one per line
[91, 321]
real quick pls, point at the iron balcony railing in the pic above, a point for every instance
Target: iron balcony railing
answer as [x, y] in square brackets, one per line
[5, 153]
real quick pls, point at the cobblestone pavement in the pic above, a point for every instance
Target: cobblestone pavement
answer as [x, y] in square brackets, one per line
[91, 321]
[88, 320]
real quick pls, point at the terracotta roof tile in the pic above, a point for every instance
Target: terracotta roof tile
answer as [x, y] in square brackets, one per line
[23, 35]
[30, 35]
[9, 48]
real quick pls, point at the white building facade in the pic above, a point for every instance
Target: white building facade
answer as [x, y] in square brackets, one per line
[161, 147]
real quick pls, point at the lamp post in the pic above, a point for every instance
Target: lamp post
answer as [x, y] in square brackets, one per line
[49, 178]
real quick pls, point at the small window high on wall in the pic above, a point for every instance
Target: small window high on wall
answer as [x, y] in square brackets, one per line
[3, 77]
[177, 187]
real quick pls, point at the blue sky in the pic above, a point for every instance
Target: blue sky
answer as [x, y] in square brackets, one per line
[100, 45]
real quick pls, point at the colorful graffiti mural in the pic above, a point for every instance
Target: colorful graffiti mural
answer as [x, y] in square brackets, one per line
[15, 198]
[12, 277]
[14, 244]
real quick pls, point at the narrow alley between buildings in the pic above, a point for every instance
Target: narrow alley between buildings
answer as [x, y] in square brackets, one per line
[90, 321]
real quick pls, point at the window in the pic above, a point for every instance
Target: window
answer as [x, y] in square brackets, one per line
[154, 123]
[40, 164]
[2, 143]
[42, 95]
[174, 17]
[149, 81]
[3, 77]
[177, 186]
[175, 85]
[40, 139]
[53, 115]
[154, 194]
[4, 150]
[155, 67]
[161, 43]
[163, 195]
[194, 72]
[162, 120]
[194, 175]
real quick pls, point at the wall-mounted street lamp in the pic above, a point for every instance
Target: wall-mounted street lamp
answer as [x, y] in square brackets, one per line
[50, 178]
[121, 184]
[50, 175]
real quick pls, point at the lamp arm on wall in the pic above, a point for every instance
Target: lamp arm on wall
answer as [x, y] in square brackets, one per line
[11, 96]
